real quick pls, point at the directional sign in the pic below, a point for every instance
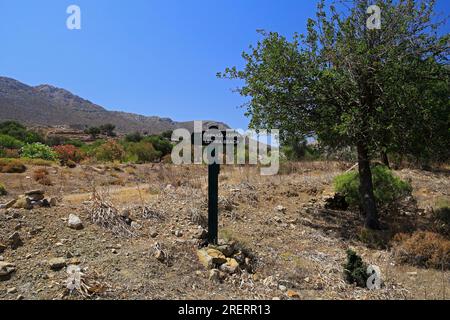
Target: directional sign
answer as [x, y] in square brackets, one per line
[221, 137]
[210, 138]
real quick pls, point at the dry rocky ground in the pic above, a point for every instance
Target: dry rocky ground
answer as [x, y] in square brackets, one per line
[148, 247]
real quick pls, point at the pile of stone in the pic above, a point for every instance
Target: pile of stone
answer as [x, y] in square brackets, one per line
[29, 200]
[224, 259]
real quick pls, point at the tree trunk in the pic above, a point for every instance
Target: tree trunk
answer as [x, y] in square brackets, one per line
[368, 204]
[385, 159]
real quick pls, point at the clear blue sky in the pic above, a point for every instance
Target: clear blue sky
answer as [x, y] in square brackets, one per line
[145, 56]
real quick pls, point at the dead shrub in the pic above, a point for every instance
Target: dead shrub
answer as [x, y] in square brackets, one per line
[423, 249]
[12, 166]
[106, 215]
[41, 176]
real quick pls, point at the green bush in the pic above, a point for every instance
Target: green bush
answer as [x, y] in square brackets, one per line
[355, 270]
[160, 144]
[38, 151]
[133, 137]
[20, 132]
[387, 187]
[3, 191]
[91, 148]
[110, 151]
[143, 152]
[75, 143]
[9, 142]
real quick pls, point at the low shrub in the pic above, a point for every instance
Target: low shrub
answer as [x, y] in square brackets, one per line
[423, 249]
[441, 217]
[355, 270]
[19, 132]
[38, 151]
[68, 154]
[144, 152]
[387, 187]
[3, 191]
[8, 142]
[9, 153]
[134, 137]
[110, 151]
[41, 176]
[376, 239]
[12, 166]
[160, 144]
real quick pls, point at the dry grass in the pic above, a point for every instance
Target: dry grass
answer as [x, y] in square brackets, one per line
[423, 249]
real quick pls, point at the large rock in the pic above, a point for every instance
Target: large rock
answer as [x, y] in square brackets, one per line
[57, 263]
[75, 222]
[210, 258]
[6, 269]
[23, 203]
[35, 195]
[227, 248]
[37, 192]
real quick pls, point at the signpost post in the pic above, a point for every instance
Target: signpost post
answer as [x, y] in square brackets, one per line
[213, 178]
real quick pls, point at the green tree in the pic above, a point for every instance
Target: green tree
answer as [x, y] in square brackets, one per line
[93, 132]
[351, 86]
[108, 130]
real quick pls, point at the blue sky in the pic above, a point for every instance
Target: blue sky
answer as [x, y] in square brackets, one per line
[145, 56]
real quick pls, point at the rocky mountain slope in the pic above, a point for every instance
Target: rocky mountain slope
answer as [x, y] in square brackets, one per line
[50, 106]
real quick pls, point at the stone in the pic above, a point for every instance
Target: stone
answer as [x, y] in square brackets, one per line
[153, 234]
[15, 241]
[293, 294]
[217, 256]
[10, 204]
[125, 213]
[209, 258]
[74, 222]
[53, 201]
[282, 288]
[280, 209]
[239, 257]
[200, 234]
[12, 290]
[135, 225]
[57, 263]
[178, 233]
[23, 203]
[160, 256]
[35, 192]
[231, 266]
[6, 269]
[216, 276]
[228, 249]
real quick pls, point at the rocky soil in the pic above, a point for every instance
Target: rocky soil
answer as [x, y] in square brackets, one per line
[137, 232]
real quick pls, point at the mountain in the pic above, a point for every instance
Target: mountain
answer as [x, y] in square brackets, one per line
[46, 105]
